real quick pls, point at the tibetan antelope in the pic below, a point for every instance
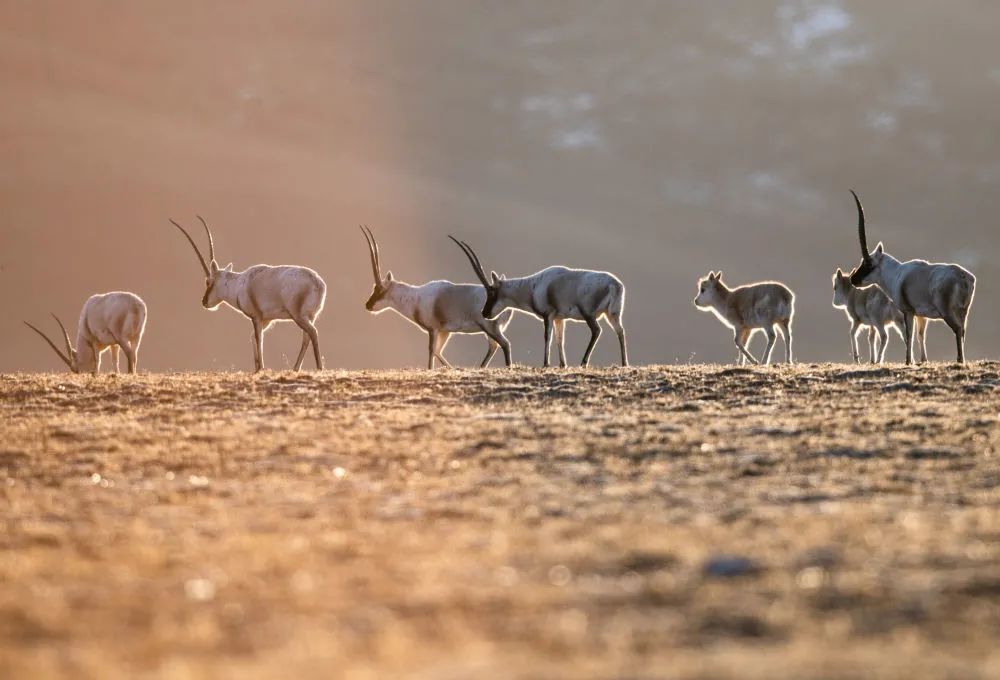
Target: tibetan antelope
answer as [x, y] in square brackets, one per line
[556, 295]
[757, 306]
[918, 288]
[869, 307]
[440, 308]
[265, 294]
[107, 320]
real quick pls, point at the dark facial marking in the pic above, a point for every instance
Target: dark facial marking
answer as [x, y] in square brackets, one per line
[859, 274]
[377, 294]
[491, 301]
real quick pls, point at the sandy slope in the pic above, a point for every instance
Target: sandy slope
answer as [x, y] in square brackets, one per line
[669, 521]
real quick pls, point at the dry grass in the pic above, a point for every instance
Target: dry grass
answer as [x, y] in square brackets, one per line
[509, 524]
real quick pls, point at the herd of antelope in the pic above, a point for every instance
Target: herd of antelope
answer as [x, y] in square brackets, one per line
[880, 293]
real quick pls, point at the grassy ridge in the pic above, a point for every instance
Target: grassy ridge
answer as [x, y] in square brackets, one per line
[701, 521]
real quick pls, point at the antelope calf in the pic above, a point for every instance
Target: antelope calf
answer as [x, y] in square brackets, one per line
[918, 288]
[870, 307]
[107, 320]
[440, 308]
[265, 294]
[556, 295]
[758, 306]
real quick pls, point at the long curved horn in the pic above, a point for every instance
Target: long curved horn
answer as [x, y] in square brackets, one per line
[473, 259]
[373, 254]
[479, 265]
[51, 344]
[69, 347]
[378, 253]
[198, 252]
[861, 228]
[211, 241]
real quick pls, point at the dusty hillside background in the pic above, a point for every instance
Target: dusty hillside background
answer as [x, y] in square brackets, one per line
[697, 522]
[655, 139]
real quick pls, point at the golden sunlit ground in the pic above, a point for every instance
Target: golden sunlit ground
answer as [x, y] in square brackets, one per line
[716, 522]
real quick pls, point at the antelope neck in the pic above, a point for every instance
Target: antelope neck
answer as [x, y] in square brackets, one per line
[519, 291]
[403, 297]
[228, 289]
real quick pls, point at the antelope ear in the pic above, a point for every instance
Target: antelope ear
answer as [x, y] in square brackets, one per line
[493, 277]
[840, 272]
[213, 266]
[718, 275]
[878, 249]
[388, 276]
[229, 267]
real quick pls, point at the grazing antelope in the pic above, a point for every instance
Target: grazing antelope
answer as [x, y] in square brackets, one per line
[919, 288]
[556, 295]
[764, 306]
[869, 307]
[265, 294]
[440, 308]
[107, 320]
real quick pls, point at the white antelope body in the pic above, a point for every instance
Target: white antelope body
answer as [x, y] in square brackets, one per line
[440, 308]
[870, 308]
[918, 288]
[556, 295]
[265, 294]
[108, 320]
[766, 306]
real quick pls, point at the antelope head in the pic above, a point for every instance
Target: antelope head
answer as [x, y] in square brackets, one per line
[841, 287]
[495, 300]
[709, 288]
[213, 274]
[377, 301]
[75, 362]
[864, 273]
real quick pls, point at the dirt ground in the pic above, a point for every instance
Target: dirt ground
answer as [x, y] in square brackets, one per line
[689, 521]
